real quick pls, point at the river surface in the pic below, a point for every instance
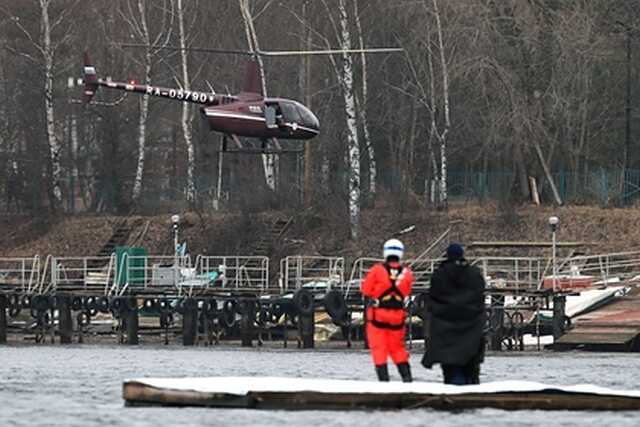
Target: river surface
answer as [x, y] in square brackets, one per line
[82, 386]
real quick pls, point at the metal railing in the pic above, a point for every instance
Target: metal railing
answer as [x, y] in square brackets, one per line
[79, 273]
[151, 271]
[232, 272]
[422, 272]
[518, 272]
[310, 272]
[20, 272]
[114, 276]
[604, 268]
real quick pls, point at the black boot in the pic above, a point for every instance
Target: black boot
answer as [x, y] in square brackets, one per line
[383, 372]
[405, 372]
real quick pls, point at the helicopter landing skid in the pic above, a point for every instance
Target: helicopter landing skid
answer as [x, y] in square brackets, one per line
[266, 146]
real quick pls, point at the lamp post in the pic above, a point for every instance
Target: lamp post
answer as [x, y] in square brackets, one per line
[553, 224]
[175, 219]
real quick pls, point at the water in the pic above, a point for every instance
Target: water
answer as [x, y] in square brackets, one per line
[82, 386]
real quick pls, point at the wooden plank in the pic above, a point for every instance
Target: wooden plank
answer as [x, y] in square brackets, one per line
[577, 338]
[139, 394]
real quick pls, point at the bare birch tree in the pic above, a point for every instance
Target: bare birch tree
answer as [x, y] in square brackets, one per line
[186, 120]
[138, 21]
[353, 147]
[442, 135]
[46, 46]
[362, 107]
[269, 161]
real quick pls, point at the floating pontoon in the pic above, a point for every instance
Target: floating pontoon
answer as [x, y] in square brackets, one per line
[299, 393]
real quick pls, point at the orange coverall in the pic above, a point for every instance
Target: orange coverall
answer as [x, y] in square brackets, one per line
[385, 324]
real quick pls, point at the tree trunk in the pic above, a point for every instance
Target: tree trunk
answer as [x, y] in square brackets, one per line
[54, 144]
[373, 172]
[144, 107]
[447, 121]
[269, 161]
[142, 133]
[186, 113]
[352, 126]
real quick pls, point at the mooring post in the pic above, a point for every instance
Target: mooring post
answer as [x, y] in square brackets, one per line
[131, 321]
[497, 322]
[559, 302]
[189, 322]
[3, 319]
[64, 316]
[306, 323]
[247, 318]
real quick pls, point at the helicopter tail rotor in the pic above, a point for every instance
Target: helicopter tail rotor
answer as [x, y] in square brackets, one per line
[90, 79]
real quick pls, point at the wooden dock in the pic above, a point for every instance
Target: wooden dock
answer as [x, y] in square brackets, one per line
[612, 327]
[317, 394]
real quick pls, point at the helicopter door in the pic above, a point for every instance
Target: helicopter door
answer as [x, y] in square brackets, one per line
[270, 116]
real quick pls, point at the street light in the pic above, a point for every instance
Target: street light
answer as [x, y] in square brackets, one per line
[175, 219]
[553, 223]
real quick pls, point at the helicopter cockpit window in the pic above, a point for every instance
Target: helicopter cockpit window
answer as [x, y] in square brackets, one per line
[308, 118]
[290, 113]
[270, 116]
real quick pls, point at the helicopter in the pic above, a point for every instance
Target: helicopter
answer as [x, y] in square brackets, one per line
[246, 114]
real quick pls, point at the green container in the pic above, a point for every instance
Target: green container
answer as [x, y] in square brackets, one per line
[130, 270]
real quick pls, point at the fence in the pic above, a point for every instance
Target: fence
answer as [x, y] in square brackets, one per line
[604, 187]
[168, 193]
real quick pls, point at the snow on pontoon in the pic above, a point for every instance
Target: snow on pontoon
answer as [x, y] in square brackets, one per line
[300, 393]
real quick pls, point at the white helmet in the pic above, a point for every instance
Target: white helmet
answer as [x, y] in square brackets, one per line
[393, 247]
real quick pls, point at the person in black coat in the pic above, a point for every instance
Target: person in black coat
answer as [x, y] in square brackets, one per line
[457, 317]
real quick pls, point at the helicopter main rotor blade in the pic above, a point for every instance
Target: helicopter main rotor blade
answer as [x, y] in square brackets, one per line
[194, 49]
[269, 53]
[328, 51]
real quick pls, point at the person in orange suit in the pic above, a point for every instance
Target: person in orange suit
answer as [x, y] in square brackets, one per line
[387, 286]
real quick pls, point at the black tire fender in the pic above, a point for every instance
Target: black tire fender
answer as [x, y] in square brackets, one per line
[25, 301]
[150, 303]
[14, 300]
[210, 308]
[264, 315]
[90, 303]
[335, 305]
[76, 303]
[228, 315]
[164, 305]
[14, 305]
[103, 304]
[116, 304]
[83, 318]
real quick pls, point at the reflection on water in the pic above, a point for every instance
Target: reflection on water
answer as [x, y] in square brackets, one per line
[82, 385]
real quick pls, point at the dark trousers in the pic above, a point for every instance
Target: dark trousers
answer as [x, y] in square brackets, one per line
[461, 375]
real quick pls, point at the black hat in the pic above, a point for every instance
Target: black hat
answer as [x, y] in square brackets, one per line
[455, 251]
